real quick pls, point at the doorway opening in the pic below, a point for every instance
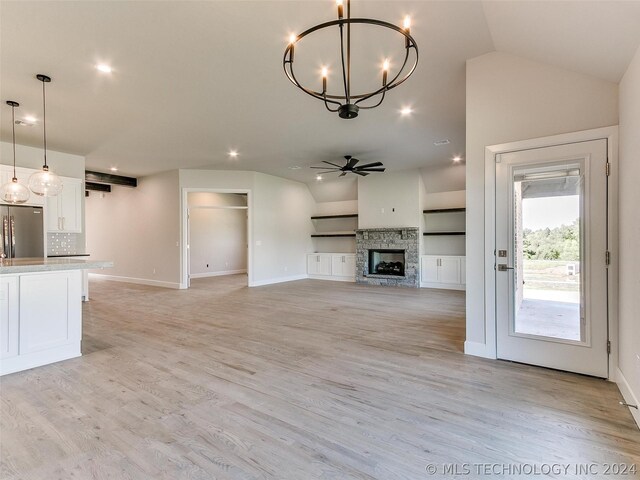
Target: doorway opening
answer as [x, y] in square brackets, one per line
[217, 236]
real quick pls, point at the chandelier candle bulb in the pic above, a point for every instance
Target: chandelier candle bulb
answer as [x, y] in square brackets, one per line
[385, 71]
[340, 4]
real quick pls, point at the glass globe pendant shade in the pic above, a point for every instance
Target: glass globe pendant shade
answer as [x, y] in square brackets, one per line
[14, 192]
[45, 183]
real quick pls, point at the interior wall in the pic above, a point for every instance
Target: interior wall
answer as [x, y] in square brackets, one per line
[390, 200]
[280, 220]
[510, 99]
[138, 228]
[444, 178]
[629, 232]
[63, 164]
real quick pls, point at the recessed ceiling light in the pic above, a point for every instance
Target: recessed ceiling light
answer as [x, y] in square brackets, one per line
[295, 167]
[233, 153]
[438, 143]
[114, 169]
[406, 111]
[457, 158]
[319, 177]
[104, 68]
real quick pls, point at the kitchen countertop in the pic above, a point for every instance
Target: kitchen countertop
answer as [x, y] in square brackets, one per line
[27, 265]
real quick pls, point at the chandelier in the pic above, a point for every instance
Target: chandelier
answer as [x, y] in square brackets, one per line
[344, 101]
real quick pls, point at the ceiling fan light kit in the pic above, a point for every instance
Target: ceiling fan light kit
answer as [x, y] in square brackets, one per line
[45, 183]
[347, 103]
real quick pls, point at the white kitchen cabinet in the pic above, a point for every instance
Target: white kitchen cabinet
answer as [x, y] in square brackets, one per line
[332, 266]
[319, 264]
[64, 211]
[9, 316]
[442, 271]
[50, 311]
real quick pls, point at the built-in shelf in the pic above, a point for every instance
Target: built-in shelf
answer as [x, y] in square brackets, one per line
[323, 217]
[429, 234]
[333, 234]
[445, 210]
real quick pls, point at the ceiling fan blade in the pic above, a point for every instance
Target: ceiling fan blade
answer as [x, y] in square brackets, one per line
[326, 168]
[342, 174]
[369, 169]
[351, 163]
[362, 174]
[375, 164]
[328, 171]
[333, 164]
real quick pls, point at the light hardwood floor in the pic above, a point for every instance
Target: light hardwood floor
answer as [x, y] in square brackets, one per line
[301, 380]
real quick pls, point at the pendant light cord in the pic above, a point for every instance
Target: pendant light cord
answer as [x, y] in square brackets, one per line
[44, 122]
[13, 123]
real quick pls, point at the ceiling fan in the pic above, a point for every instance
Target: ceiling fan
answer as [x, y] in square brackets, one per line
[350, 166]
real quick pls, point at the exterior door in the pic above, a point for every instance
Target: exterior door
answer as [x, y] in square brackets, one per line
[551, 257]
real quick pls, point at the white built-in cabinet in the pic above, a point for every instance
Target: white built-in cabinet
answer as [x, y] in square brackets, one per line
[332, 266]
[443, 271]
[40, 319]
[64, 211]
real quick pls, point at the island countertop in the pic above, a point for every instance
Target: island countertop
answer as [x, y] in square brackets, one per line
[28, 265]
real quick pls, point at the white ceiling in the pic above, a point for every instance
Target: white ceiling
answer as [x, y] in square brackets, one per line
[193, 80]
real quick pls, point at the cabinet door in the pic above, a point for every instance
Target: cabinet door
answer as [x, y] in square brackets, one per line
[54, 224]
[313, 264]
[71, 205]
[337, 265]
[50, 310]
[429, 269]
[449, 270]
[324, 267]
[9, 320]
[349, 266]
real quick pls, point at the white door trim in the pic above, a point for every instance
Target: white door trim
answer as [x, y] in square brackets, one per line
[489, 349]
[184, 207]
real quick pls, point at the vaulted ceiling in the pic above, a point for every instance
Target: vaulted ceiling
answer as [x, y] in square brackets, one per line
[193, 80]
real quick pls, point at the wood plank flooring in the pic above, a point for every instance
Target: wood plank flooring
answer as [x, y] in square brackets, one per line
[301, 380]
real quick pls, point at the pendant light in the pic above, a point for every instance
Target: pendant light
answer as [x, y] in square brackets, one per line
[13, 191]
[45, 183]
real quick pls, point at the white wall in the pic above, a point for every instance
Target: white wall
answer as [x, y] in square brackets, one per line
[280, 220]
[218, 241]
[138, 228]
[629, 221]
[390, 200]
[444, 178]
[511, 99]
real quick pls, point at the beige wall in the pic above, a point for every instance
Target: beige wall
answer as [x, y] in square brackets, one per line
[629, 235]
[390, 200]
[444, 178]
[138, 228]
[511, 99]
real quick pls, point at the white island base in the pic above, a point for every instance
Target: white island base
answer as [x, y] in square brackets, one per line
[40, 312]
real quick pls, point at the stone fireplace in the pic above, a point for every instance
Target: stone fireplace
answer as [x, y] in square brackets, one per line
[388, 256]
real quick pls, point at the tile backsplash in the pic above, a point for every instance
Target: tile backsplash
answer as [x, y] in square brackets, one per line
[64, 244]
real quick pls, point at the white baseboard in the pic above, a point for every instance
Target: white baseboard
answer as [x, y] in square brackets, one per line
[138, 281]
[443, 286]
[271, 281]
[478, 350]
[217, 274]
[333, 279]
[628, 395]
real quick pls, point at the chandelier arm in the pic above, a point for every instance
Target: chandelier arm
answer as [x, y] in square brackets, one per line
[377, 104]
[292, 78]
[393, 83]
[344, 72]
[326, 104]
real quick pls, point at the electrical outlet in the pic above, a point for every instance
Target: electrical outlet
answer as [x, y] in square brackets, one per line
[154, 271]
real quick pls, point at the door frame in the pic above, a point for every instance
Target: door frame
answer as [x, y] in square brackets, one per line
[610, 134]
[184, 208]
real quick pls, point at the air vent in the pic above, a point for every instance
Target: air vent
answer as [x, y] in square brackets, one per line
[439, 143]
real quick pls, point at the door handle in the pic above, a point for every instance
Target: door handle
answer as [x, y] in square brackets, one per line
[3, 238]
[503, 267]
[12, 226]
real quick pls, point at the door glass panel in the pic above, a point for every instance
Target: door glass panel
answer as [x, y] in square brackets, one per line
[548, 246]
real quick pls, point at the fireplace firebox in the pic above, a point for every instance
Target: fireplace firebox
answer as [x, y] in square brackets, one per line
[386, 262]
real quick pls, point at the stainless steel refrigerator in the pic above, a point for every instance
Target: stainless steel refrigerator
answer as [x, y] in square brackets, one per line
[22, 232]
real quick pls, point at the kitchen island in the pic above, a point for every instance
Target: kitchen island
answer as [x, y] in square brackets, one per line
[41, 310]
